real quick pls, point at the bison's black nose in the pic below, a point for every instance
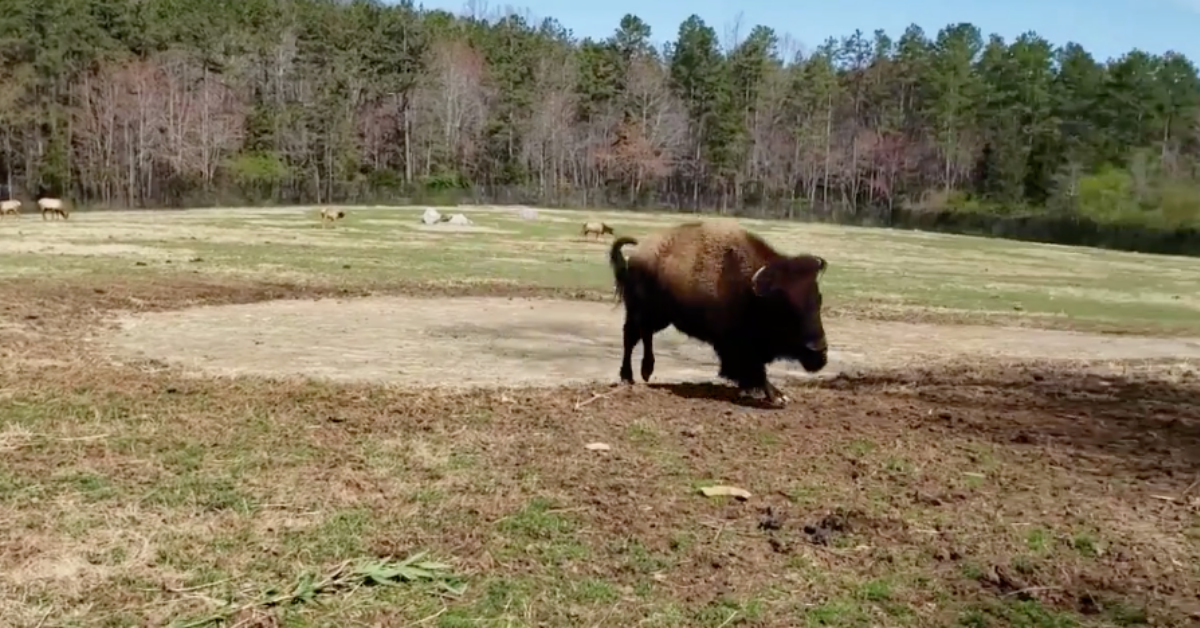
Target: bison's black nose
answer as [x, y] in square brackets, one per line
[814, 361]
[818, 346]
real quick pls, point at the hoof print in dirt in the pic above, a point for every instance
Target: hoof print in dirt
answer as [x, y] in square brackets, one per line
[927, 499]
[769, 520]
[831, 526]
[1024, 438]
[937, 499]
[779, 546]
[1004, 581]
[946, 554]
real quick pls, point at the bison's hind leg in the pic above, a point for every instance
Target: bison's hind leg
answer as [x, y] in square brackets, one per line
[636, 330]
[640, 326]
[652, 322]
[647, 354]
[631, 335]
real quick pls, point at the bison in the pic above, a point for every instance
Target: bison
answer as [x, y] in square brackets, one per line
[720, 284]
[597, 228]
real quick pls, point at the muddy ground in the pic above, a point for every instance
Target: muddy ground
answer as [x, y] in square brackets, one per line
[546, 342]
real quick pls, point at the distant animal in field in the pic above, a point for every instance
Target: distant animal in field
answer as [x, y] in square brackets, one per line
[720, 284]
[597, 228]
[53, 207]
[431, 216]
[329, 216]
[10, 207]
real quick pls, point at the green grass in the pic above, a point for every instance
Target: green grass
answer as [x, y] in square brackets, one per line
[870, 269]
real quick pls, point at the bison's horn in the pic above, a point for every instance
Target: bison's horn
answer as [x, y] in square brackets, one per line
[754, 280]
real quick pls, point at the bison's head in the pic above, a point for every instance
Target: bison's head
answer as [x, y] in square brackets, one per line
[789, 284]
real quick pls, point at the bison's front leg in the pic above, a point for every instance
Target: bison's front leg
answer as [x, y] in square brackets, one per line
[750, 377]
[774, 395]
[754, 379]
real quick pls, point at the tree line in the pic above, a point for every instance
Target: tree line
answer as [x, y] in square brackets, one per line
[161, 103]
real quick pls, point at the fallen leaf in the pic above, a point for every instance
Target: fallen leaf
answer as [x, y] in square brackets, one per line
[729, 491]
[598, 446]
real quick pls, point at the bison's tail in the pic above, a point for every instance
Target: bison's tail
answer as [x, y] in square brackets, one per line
[620, 267]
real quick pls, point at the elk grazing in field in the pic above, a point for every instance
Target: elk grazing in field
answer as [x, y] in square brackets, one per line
[53, 207]
[10, 207]
[597, 228]
[329, 216]
[722, 285]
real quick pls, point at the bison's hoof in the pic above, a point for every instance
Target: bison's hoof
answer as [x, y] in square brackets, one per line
[774, 396]
[647, 370]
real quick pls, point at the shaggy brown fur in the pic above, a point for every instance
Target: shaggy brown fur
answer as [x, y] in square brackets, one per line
[10, 207]
[328, 216]
[720, 284]
[597, 228]
[54, 207]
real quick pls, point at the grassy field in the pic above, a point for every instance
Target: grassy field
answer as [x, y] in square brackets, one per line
[988, 494]
[873, 272]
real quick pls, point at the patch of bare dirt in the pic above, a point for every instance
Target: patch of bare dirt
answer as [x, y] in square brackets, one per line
[518, 341]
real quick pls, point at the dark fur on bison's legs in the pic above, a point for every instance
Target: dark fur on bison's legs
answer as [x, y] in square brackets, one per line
[749, 375]
[647, 355]
[631, 334]
[636, 330]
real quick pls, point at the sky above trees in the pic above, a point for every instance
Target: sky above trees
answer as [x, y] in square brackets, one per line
[1107, 28]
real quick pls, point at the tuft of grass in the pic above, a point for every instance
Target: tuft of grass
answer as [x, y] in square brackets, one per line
[1038, 540]
[1023, 613]
[346, 577]
[876, 591]
[837, 614]
[1086, 544]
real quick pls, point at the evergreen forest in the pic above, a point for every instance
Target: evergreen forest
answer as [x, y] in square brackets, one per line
[179, 103]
